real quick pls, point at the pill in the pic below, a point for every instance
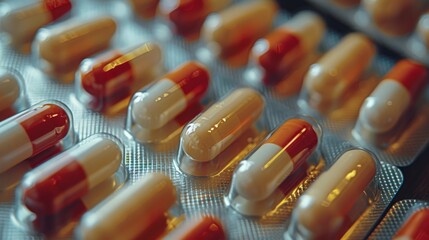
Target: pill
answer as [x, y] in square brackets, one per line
[115, 75]
[67, 177]
[207, 227]
[188, 16]
[393, 96]
[22, 24]
[394, 17]
[322, 211]
[328, 80]
[69, 42]
[236, 28]
[415, 227]
[423, 29]
[284, 48]
[145, 8]
[346, 3]
[129, 211]
[9, 90]
[31, 132]
[220, 125]
[279, 156]
[165, 99]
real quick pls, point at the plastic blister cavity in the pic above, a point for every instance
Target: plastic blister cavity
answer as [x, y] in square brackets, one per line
[337, 198]
[13, 96]
[385, 114]
[57, 193]
[281, 163]
[59, 49]
[220, 135]
[157, 113]
[106, 82]
[31, 137]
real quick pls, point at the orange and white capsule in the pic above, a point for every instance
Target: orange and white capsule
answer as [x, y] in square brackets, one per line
[393, 96]
[188, 16]
[278, 157]
[236, 28]
[284, 48]
[207, 228]
[324, 211]
[68, 43]
[22, 24]
[160, 103]
[220, 125]
[144, 8]
[114, 76]
[394, 17]
[129, 211]
[415, 227]
[328, 80]
[10, 90]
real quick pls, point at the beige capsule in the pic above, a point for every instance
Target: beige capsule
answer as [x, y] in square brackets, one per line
[70, 42]
[324, 209]
[327, 81]
[144, 8]
[220, 125]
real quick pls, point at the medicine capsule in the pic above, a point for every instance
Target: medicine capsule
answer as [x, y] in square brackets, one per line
[111, 77]
[31, 132]
[393, 96]
[423, 29]
[236, 28]
[283, 49]
[220, 125]
[415, 227]
[188, 15]
[163, 101]
[130, 211]
[394, 17]
[22, 24]
[9, 90]
[322, 211]
[145, 8]
[67, 177]
[207, 227]
[69, 42]
[279, 156]
[328, 80]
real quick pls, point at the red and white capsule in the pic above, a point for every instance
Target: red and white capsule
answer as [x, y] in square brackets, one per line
[31, 132]
[207, 227]
[283, 152]
[115, 75]
[285, 47]
[51, 187]
[22, 24]
[155, 106]
[391, 99]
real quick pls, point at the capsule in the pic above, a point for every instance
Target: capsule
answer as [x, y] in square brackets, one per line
[31, 132]
[130, 211]
[278, 157]
[111, 77]
[53, 186]
[328, 80]
[236, 28]
[415, 227]
[322, 212]
[22, 24]
[69, 42]
[10, 90]
[207, 227]
[394, 17]
[144, 8]
[423, 29]
[220, 125]
[163, 101]
[393, 96]
[188, 16]
[284, 48]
